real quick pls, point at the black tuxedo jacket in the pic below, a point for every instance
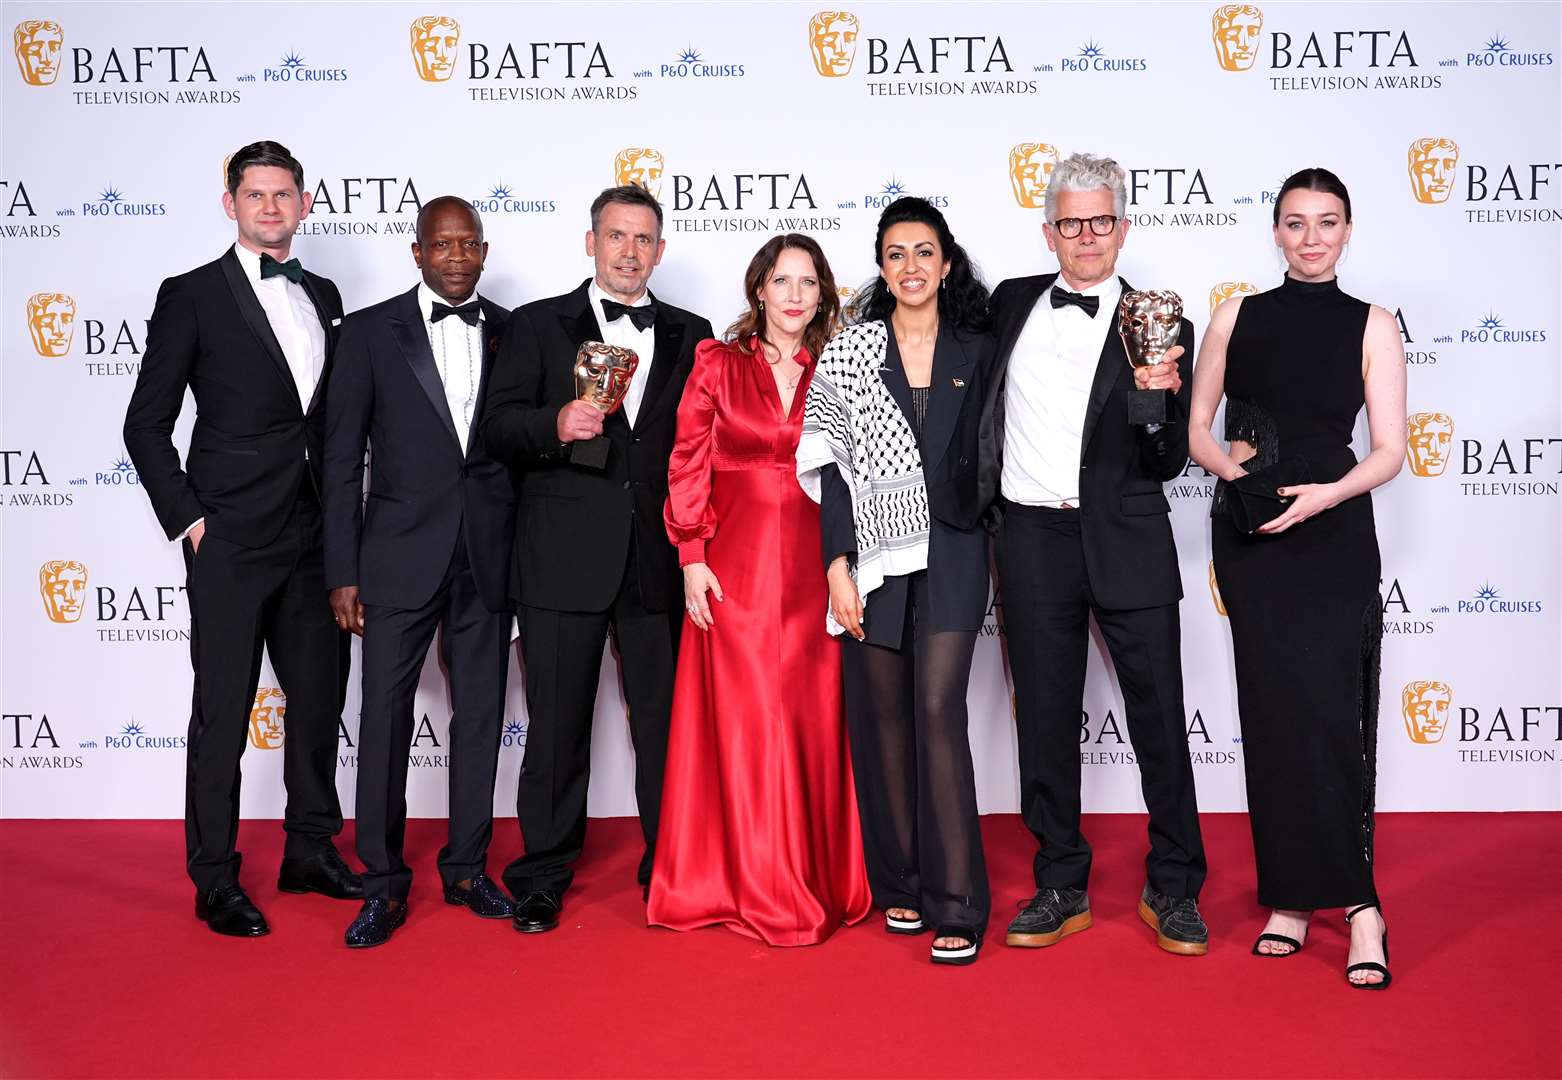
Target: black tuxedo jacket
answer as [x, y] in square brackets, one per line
[254, 442]
[573, 523]
[396, 545]
[1130, 556]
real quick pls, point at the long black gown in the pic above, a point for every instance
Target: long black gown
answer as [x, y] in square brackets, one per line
[1306, 620]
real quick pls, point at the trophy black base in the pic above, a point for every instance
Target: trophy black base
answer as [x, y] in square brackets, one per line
[592, 453]
[1146, 407]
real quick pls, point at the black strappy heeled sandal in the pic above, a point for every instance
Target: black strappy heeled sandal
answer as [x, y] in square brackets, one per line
[1381, 969]
[1278, 939]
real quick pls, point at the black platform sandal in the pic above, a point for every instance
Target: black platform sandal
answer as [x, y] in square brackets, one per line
[961, 955]
[911, 927]
[1369, 965]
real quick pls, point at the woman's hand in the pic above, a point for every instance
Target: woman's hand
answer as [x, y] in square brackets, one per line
[1309, 499]
[697, 581]
[845, 603]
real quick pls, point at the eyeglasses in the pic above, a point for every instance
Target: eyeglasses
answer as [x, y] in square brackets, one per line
[1070, 227]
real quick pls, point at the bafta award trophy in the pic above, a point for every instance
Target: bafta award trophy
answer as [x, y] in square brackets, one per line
[602, 374]
[1149, 323]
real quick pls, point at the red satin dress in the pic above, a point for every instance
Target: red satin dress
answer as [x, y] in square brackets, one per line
[759, 828]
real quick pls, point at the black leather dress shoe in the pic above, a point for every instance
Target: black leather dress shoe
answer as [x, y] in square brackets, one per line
[485, 899]
[323, 872]
[227, 909]
[537, 911]
[375, 923]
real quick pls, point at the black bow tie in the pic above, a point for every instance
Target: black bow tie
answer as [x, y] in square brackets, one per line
[642, 316]
[1088, 304]
[469, 312]
[291, 269]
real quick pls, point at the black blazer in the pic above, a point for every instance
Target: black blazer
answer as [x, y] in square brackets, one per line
[957, 577]
[573, 523]
[1130, 556]
[385, 389]
[254, 442]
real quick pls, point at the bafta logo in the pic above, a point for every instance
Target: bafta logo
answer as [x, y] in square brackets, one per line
[38, 43]
[63, 584]
[639, 165]
[1428, 438]
[1227, 289]
[1432, 164]
[51, 319]
[1425, 704]
[434, 41]
[1030, 171]
[1235, 29]
[832, 38]
[265, 719]
[1214, 590]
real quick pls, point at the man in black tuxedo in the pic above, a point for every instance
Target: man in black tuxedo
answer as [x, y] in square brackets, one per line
[591, 553]
[251, 336]
[430, 550]
[1083, 529]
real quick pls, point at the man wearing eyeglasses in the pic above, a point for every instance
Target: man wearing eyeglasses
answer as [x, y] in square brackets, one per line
[1083, 528]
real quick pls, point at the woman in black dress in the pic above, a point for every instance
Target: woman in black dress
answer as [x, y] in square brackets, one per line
[1296, 364]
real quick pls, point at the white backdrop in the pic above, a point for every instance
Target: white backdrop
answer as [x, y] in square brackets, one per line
[117, 119]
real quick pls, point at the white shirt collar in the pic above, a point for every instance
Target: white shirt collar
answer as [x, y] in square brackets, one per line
[427, 298]
[250, 261]
[594, 291]
[1103, 289]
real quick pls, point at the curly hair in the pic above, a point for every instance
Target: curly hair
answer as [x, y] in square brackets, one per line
[963, 298]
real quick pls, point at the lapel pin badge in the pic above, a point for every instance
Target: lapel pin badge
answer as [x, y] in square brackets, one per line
[959, 382]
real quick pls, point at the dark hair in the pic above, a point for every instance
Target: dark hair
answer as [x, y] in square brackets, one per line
[427, 211]
[630, 194]
[962, 299]
[264, 153]
[752, 321]
[1314, 179]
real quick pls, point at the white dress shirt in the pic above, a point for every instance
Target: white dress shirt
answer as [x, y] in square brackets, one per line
[1048, 393]
[621, 331]
[458, 357]
[293, 320]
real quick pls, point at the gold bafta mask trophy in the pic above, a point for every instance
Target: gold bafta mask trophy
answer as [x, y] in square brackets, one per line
[602, 374]
[1149, 322]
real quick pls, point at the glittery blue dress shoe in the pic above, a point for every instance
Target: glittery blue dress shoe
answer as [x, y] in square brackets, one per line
[375, 923]
[227, 909]
[537, 911]
[324, 872]
[485, 899]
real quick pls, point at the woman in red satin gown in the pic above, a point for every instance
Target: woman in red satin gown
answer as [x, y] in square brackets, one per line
[759, 828]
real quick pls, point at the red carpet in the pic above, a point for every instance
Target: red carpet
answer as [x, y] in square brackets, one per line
[105, 972]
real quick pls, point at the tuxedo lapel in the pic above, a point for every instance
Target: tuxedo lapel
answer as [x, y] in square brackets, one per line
[1015, 319]
[946, 393]
[255, 317]
[494, 317]
[406, 327]
[1109, 368]
[669, 342]
[330, 340]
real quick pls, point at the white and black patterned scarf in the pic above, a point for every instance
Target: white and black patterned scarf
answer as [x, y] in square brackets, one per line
[852, 422]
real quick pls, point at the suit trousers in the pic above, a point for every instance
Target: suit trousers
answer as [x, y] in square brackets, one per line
[243, 599]
[473, 646]
[562, 655]
[1047, 603]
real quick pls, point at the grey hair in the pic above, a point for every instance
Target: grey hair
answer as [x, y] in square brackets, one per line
[1086, 172]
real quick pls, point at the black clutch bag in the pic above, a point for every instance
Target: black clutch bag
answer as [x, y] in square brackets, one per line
[1254, 499]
